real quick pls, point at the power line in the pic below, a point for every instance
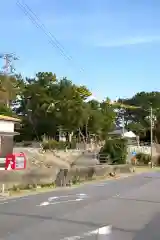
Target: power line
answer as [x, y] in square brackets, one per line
[38, 23]
[41, 26]
[58, 44]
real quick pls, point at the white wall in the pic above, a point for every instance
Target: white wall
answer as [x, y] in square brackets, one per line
[6, 126]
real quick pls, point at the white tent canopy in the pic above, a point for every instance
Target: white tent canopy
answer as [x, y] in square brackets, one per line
[129, 134]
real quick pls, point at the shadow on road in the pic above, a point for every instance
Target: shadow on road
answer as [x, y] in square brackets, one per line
[70, 221]
[151, 231]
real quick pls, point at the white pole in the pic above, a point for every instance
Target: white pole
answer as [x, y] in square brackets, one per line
[3, 188]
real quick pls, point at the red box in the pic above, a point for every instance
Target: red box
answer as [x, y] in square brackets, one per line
[16, 161]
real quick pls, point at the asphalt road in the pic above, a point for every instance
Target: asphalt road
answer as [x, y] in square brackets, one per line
[131, 206]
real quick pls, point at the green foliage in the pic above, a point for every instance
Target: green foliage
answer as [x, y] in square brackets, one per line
[9, 88]
[6, 111]
[52, 144]
[49, 144]
[115, 149]
[143, 158]
[47, 104]
[138, 119]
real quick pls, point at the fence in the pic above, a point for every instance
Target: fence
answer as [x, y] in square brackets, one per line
[139, 149]
[145, 149]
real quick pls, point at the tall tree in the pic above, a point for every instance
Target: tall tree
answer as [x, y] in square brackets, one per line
[9, 88]
[138, 119]
[48, 105]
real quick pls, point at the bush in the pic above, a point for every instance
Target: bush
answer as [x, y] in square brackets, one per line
[15, 188]
[143, 158]
[62, 145]
[75, 180]
[115, 150]
[51, 144]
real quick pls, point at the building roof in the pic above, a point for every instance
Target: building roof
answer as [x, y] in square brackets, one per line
[130, 134]
[119, 132]
[7, 118]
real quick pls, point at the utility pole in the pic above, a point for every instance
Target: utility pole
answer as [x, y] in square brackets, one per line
[8, 67]
[123, 125]
[7, 70]
[151, 129]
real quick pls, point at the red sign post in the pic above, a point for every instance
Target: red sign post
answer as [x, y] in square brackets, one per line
[16, 161]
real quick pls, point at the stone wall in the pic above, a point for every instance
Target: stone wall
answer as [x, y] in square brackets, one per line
[60, 167]
[61, 177]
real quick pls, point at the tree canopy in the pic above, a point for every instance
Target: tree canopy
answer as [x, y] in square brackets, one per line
[138, 118]
[48, 106]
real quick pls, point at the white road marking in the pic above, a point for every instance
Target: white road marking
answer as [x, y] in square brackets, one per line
[116, 196]
[67, 196]
[81, 194]
[54, 203]
[106, 230]
[103, 231]
[61, 199]
[44, 204]
[52, 198]
[79, 199]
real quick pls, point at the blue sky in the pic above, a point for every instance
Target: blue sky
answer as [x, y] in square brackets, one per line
[114, 44]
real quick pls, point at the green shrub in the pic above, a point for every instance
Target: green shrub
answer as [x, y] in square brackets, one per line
[143, 158]
[47, 185]
[61, 145]
[115, 150]
[15, 188]
[51, 144]
[75, 180]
